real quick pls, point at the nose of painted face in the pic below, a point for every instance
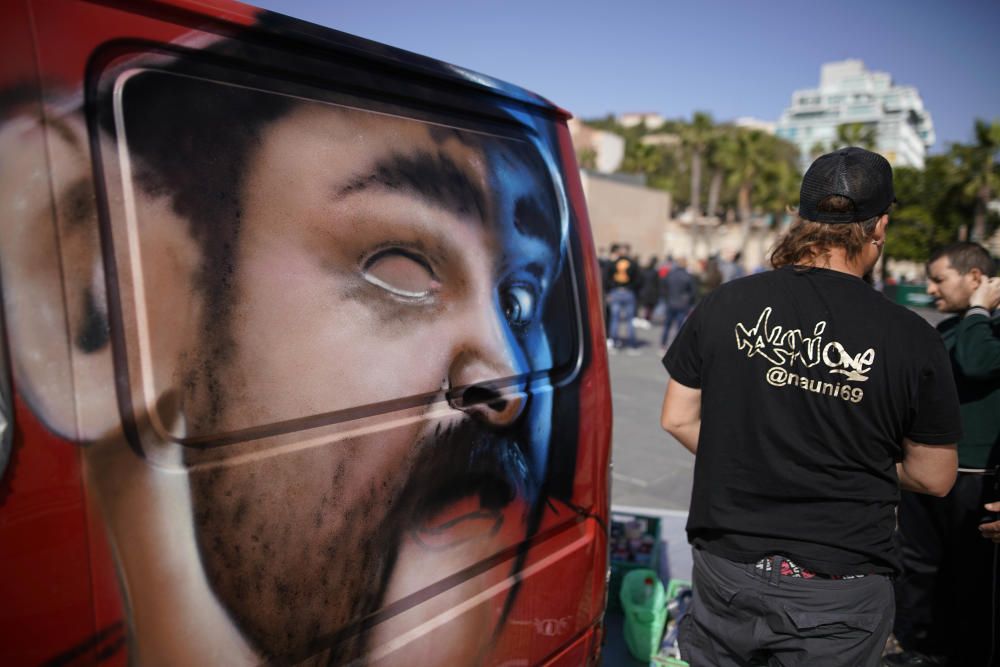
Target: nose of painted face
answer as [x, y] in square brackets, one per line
[483, 379]
[489, 405]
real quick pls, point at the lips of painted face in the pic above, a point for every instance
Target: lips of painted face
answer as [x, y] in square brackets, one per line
[377, 258]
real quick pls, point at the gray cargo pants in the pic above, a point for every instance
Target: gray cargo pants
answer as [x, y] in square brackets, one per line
[744, 616]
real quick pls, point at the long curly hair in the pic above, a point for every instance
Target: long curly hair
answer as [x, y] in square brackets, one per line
[806, 241]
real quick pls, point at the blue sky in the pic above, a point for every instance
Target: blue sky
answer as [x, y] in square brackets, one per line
[730, 58]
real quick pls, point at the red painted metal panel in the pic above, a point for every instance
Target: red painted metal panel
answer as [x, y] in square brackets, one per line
[62, 601]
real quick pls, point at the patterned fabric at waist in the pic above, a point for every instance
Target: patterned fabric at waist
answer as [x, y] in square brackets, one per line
[790, 569]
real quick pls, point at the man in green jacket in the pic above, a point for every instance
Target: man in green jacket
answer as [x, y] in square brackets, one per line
[948, 610]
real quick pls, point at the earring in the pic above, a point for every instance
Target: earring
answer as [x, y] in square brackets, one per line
[877, 244]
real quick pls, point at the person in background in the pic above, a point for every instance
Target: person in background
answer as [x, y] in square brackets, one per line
[808, 399]
[649, 290]
[711, 276]
[947, 597]
[679, 291]
[621, 281]
[731, 266]
[603, 262]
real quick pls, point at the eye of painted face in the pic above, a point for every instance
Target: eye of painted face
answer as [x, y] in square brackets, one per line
[401, 272]
[518, 302]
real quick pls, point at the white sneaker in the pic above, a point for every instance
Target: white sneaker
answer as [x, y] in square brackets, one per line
[641, 323]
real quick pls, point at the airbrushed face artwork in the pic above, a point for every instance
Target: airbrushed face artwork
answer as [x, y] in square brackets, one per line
[355, 264]
[376, 258]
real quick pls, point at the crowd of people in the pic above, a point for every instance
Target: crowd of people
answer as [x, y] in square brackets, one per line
[662, 292]
[847, 480]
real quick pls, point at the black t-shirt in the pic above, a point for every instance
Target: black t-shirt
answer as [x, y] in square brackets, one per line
[621, 272]
[810, 380]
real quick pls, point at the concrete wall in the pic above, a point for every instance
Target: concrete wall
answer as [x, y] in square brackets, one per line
[626, 213]
[623, 212]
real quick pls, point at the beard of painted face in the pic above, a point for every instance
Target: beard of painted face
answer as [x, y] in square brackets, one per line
[465, 460]
[296, 604]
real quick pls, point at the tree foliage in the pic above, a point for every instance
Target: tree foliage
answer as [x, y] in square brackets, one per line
[863, 135]
[948, 198]
[930, 209]
[737, 172]
[711, 168]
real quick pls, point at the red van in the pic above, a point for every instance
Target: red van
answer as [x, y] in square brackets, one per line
[302, 353]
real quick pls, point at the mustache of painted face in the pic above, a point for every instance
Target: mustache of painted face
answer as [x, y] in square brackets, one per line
[468, 459]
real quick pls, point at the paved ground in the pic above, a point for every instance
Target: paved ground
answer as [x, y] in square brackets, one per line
[652, 472]
[651, 469]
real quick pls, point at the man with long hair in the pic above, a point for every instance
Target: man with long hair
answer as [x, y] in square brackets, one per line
[809, 399]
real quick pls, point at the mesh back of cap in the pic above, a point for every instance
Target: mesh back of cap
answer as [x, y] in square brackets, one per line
[865, 178]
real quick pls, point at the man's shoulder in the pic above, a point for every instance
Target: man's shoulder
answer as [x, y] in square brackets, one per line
[749, 283]
[956, 321]
[948, 323]
[910, 324]
[728, 296]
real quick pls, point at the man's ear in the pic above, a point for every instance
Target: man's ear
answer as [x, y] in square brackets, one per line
[53, 269]
[55, 284]
[880, 226]
[975, 276]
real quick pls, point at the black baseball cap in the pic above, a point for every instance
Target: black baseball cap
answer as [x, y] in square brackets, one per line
[859, 175]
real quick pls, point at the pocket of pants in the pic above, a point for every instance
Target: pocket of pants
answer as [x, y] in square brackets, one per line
[813, 624]
[714, 584]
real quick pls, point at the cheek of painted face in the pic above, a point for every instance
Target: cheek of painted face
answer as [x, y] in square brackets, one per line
[299, 544]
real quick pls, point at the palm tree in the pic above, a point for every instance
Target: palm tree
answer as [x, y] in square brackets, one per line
[719, 148]
[587, 158]
[857, 134]
[779, 182]
[695, 138]
[747, 160]
[640, 158]
[979, 168]
[760, 166]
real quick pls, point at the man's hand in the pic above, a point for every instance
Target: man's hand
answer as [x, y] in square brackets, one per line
[987, 295]
[991, 529]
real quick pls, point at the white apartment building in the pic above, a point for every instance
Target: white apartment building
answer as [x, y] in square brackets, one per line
[751, 123]
[849, 93]
[652, 119]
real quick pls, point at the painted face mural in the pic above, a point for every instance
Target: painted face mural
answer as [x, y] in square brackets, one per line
[399, 261]
[336, 331]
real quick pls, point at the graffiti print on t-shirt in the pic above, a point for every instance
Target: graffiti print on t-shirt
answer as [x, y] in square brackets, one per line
[792, 350]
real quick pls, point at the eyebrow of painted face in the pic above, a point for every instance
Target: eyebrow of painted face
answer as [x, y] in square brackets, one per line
[532, 219]
[434, 177]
